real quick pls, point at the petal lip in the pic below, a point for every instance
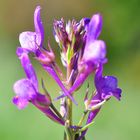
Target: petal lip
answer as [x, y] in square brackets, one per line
[106, 86]
[24, 89]
[117, 93]
[21, 103]
[86, 21]
[28, 41]
[95, 52]
[20, 51]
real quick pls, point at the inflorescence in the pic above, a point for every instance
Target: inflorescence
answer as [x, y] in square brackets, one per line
[82, 54]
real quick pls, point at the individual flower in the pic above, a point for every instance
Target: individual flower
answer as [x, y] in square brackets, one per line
[32, 42]
[94, 51]
[106, 87]
[27, 90]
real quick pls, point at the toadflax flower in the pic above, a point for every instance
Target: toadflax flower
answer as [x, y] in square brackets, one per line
[32, 42]
[82, 54]
[94, 51]
[27, 90]
[106, 87]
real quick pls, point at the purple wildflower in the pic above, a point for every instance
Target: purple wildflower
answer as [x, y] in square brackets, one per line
[106, 86]
[27, 90]
[94, 51]
[82, 54]
[33, 42]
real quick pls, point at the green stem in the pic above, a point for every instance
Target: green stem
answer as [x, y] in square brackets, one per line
[70, 135]
[85, 127]
[69, 102]
[68, 130]
[69, 110]
[82, 118]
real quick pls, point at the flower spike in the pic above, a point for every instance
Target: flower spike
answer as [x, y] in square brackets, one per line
[82, 54]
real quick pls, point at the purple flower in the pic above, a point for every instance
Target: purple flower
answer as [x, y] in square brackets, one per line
[82, 54]
[94, 51]
[33, 42]
[106, 86]
[27, 90]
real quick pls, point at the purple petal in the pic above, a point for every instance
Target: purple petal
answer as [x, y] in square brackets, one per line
[49, 113]
[94, 28]
[117, 93]
[41, 100]
[106, 86]
[98, 77]
[111, 82]
[28, 68]
[42, 103]
[21, 103]
[56, 78]
[20, 51]
[95, 52]
[28, 41]
[80, 79]
[38, 26]
[109, 87]
[86, 21]
[24, 89]
[92, 115]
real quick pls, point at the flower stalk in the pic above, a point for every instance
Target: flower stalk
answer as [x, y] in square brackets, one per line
[69, 107]
[82, 118]
[82, 54]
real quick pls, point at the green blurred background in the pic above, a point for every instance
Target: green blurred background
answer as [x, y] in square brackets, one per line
[121, 31]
